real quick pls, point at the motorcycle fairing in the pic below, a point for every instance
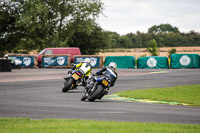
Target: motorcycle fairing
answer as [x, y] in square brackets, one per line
[102, 79]
[111, 73]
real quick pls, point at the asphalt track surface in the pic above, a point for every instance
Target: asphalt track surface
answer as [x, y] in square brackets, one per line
[36, 94]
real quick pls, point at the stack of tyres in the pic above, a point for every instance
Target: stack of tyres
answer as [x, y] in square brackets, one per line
[1, 69]
[9, 66]
[5, 65]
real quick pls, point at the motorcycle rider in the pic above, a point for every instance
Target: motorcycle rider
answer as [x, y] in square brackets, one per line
[86, 67]
[12, 61]
[109, 70]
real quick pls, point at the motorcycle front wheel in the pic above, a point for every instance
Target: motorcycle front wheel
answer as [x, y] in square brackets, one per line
[83, 98]
[95, 95]
[68, 85]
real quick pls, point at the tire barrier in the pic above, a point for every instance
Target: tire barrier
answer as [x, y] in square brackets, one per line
[56, 61]
[5, 65]
[185, 61]
[153, 62]
[121, 61]
[96, 61]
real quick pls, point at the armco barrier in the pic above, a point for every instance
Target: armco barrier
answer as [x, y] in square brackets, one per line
[153, 62]
[96, 61]
[121, 61]
[27, 60]
[56, 61]
[185, 61]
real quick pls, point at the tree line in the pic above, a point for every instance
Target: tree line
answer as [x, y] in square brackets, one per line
[27, 25]
[164, 34]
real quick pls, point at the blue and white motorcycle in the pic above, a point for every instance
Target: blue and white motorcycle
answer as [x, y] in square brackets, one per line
[99, 88]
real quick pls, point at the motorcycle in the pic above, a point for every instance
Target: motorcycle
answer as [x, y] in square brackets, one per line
[17, 64]
[98, 90]
[74, 79]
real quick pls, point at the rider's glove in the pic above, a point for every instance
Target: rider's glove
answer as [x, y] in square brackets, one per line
[73, 67]
[94, 74]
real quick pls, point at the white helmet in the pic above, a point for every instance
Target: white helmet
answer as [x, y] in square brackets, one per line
[5, 56]
[113, 65]
[87, 60]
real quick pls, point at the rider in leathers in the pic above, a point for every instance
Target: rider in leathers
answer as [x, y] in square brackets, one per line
[86, 67]
[108, 71]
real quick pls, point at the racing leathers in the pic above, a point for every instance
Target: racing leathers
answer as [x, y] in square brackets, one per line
[85, 68]
[109, 72]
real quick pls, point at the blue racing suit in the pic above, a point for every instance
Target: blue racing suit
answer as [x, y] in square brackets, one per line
[110, 72]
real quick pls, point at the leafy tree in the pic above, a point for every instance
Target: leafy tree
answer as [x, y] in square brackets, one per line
[52, 23]
[90, 43]
[163, 28]
[152, 48]
[133, 39]
[49, 23]
[164, 39]
[192, 38]
[125, 42]
[35, 24]
[113, 39]
[9, 33]
[172, 51]
[169, 39]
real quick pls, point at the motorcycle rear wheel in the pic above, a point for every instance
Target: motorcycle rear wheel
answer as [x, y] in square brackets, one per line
[68, 85]
[95, 95]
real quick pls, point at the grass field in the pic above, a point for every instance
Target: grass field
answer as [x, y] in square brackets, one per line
[22, 125]
[188, 94]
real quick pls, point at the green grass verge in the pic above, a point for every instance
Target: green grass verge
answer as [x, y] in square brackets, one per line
[189, 94]
[21, 125]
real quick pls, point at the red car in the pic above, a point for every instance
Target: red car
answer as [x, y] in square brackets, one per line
[71, 51]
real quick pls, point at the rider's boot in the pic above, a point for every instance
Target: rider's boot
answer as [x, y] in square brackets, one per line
[68, 76]
[90, 84]
[82, 84]
[84, 96]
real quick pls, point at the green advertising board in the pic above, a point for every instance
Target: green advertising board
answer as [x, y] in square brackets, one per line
[152, 62]
[185, 61]
[121, 61]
